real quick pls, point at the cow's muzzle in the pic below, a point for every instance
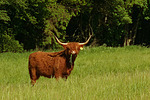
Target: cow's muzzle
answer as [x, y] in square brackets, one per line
[73, 56]
[73, 52]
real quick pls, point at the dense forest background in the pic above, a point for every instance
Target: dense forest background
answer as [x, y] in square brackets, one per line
[31, 24]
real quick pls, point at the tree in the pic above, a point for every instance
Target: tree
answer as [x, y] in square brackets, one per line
[32, 24]
[8, 42]
[136, 9]
[115, 23]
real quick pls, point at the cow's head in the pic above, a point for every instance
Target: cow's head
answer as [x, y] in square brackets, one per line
[73, 48]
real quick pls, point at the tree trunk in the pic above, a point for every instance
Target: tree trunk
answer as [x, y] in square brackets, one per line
[127, 37]
[130, 35]
[131, 30]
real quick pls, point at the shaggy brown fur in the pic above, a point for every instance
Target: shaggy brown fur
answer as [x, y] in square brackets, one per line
[57, 64]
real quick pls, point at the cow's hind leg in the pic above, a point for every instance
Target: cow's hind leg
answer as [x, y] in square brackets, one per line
[33, 75]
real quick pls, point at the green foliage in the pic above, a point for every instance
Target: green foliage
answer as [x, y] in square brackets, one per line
[26, 21]
[10, 45]
[56, 24]
[114, 21]
[34, 22]
[4, 16]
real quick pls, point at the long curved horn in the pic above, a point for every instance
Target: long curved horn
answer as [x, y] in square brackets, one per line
[59, 41]
[86, 41]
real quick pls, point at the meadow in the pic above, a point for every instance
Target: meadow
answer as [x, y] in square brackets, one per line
[100, 73]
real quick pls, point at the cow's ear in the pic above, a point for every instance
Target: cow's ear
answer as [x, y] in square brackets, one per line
[81, 47]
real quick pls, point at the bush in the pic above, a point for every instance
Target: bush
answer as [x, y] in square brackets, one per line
[10, 45]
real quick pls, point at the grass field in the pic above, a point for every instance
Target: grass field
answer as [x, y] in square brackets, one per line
[100, 73]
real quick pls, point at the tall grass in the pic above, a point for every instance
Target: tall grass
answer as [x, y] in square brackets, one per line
[100, 73]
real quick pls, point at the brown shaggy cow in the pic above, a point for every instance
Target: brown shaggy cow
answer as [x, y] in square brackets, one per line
[56, 64]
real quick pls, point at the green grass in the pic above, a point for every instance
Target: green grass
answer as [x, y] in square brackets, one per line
[100, 73]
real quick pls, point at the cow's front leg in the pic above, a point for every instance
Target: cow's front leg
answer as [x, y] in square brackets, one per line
[58, 75]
